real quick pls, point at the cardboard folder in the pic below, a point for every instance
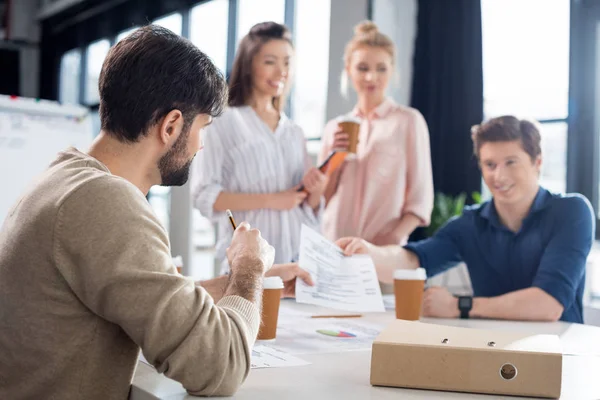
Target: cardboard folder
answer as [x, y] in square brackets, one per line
[413, 354]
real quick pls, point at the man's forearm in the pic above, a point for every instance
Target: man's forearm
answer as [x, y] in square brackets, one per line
[246, 281]
[215, 287]
[531, 304]
[389, 258]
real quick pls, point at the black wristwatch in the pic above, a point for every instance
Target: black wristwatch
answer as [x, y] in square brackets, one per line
[465, 303]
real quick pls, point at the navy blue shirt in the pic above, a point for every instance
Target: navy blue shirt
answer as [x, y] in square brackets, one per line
[548, 252]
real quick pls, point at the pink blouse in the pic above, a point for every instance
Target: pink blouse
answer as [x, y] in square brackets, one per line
[389, 176]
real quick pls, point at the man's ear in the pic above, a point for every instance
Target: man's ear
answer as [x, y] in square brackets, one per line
[538, 163]
[170, 127]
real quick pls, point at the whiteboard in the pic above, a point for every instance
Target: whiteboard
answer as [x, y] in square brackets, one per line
[32, 132]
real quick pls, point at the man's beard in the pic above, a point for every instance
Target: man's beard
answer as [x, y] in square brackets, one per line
[170, 173]
[171, 176]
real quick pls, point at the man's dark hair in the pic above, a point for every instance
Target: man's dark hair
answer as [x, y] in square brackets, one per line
[150, 73]
[508, 128]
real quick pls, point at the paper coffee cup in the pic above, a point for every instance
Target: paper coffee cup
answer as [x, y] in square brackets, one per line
[351, 125]
[408, 292]
[272, 287]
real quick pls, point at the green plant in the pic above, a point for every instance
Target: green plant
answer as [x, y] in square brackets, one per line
[446, 207]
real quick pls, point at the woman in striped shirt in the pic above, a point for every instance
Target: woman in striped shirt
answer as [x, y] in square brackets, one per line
[255, 158]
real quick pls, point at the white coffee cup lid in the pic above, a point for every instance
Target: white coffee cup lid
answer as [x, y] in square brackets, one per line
[418, 274]
[348, 118]
[272, 282]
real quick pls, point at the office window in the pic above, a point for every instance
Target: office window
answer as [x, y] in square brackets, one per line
[554, 152]
[251, 12]
[126, 33]
[70, 71]
[208, 30]
[172, 22]
[526, 72]
[95, 116]
[311, 69]
[95, 54]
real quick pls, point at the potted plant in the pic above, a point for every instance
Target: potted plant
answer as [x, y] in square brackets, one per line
[446, 207]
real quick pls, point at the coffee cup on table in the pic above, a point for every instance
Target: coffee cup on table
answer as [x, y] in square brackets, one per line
[271, 298]
[409, 285]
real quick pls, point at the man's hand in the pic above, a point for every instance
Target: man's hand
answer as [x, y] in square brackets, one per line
[315, 182]
[354, 245]
[249, 250]
[440, 303]
[288, 274]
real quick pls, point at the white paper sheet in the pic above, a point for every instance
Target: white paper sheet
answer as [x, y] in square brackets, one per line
[264, 356]
[343, 283]
[389, 301]
[305, 335]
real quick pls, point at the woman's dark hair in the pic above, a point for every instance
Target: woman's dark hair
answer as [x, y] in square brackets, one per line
[150, 73]
[240, 82]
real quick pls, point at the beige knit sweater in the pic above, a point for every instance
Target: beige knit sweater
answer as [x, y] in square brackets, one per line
[86, 280]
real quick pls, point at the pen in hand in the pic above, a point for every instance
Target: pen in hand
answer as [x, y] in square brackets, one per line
[230, 215]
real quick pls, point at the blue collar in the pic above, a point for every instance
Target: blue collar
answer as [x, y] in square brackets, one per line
[541, 201]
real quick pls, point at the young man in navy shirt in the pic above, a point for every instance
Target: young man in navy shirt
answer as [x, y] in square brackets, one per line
[525, 249]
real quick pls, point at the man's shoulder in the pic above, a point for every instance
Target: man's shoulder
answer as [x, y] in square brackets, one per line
[570, 204]
[99, 191]
[471, 213]
[106, 206]
[474, 209]
[468, 222]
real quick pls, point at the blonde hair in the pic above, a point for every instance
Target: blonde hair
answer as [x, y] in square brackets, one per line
[366, 33]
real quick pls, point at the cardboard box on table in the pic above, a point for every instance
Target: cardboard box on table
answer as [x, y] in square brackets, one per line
[413, 354]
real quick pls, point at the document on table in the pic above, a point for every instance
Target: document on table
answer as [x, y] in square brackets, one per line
[299, 334]
[268, 357]
[343, 283]
[389, 301]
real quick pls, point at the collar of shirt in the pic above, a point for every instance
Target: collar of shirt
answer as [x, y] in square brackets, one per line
[541, 201]
[379, 112]
[283, 118]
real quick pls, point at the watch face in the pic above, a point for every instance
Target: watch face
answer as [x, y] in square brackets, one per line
[464, 302]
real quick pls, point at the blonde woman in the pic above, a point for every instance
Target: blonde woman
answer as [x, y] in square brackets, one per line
[386, 191]
[255, 157]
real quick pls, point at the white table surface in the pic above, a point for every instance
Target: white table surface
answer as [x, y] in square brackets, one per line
[345, 375]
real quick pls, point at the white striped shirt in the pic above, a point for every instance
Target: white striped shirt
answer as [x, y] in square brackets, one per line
[242, 155]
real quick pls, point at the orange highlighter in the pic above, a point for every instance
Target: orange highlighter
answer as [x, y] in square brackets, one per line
[331, 163]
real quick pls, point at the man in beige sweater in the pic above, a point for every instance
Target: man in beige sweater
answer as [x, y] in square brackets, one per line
[86, 277]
